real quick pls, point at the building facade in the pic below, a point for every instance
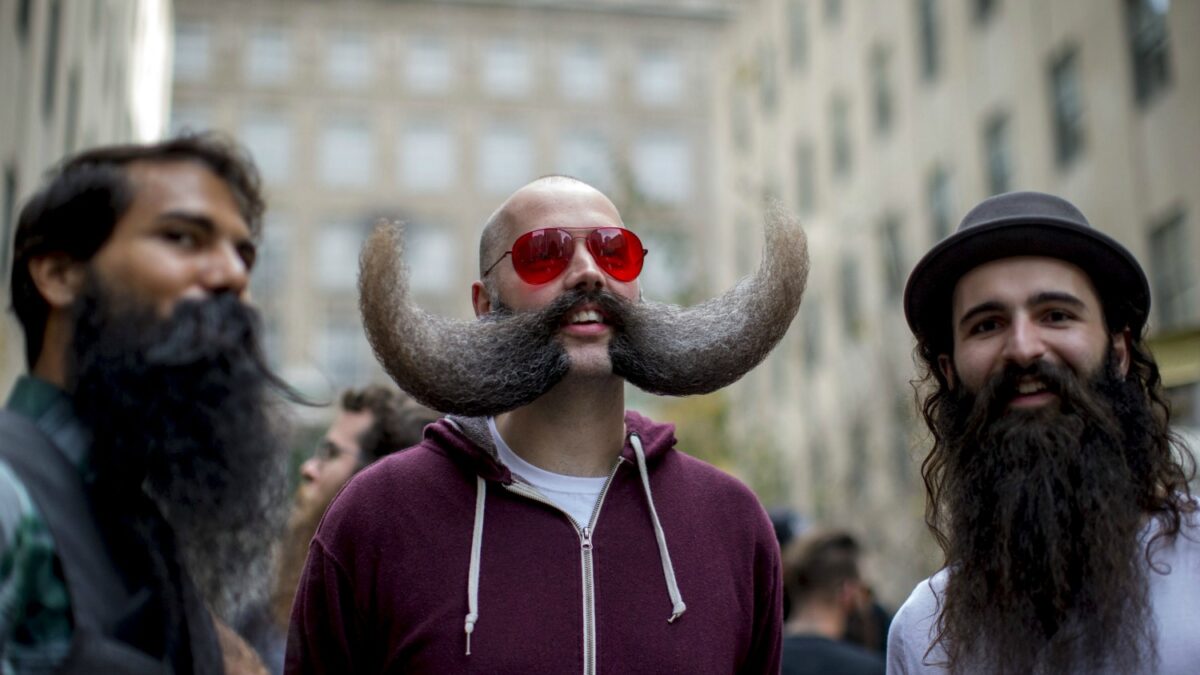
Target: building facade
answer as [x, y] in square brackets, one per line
[432, 113]
[74, 73]
[881, 123]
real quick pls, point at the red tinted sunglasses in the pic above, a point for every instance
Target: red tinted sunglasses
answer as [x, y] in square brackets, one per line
[542, 255]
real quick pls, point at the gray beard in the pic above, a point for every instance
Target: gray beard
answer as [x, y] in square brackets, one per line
[507, 360]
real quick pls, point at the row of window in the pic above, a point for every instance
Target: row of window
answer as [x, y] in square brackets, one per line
[1146, 33]
[428, 152]
[431, 66]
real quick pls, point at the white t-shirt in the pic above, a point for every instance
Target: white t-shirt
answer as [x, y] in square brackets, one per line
[576, 495]
[1174, 587]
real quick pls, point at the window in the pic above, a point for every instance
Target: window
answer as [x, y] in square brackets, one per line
[584, 154]
[891, 239]
[269, 137]
[192, 50]
[1146, 23]
[833, 11]
[24, 15]
[507, 69]
[768, 85]
[336, 256]
[270, 267]
[1068, 108]
[71, 125]
[999, 154]
[806, 178]
[857, 478]
[662, 167]
[929, 35]
[852, 320]
[9, 213]
[881, 88]
[428, 66]
[739, 122]
[348, 60]
[797, 33]
[346, 156]
[982, 10]
[342, 348]
[430, 252]
[941, 206]
[667, 274]
[50, 78]
[268, 56]
[659, 77]
[1175, 291]
[428, 157]
[582, 75]
[811, 325]
[505, 159]
[902, 422]
[840, 136]
[190, 117]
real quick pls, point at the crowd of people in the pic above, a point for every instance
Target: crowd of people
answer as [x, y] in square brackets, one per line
[533, 523]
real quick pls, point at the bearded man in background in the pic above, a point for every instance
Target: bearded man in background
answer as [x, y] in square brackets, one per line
[1055, 488]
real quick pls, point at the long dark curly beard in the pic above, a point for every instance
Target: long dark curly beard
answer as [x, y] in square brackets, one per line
[1047, 570]
[184, 410]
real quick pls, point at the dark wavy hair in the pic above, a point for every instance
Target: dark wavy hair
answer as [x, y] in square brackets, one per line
[397, 420]
[83, 198]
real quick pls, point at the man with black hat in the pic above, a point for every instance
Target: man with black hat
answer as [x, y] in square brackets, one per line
[1055, 488]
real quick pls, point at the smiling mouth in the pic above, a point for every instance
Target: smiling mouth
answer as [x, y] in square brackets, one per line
[585, 316]
[1030, 388]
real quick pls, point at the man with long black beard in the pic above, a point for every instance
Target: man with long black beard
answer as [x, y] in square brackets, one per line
[141, 477]
[1055, 489]
[542, 527]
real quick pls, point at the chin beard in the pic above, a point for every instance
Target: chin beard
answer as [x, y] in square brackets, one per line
[1046, 567]
[509, 359]
[184, 410]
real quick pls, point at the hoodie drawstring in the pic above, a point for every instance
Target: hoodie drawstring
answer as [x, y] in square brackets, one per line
[473, 574]
[677, 605]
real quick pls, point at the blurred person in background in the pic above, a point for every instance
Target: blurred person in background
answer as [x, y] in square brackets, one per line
[822, 578]
[1055, 487]
[371, 422]
[141, 463]
[542, 527]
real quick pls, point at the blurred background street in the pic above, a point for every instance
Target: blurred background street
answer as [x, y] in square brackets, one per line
[880, 122]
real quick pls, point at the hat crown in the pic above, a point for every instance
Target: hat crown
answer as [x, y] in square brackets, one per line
[1023, 207]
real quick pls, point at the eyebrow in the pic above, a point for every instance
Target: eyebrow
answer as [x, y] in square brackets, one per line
[1036, 299]
[203, 222]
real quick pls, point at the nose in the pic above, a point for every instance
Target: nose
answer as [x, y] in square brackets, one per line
[1024, 344]
[583, 272]
[309, 470]
[224, 270]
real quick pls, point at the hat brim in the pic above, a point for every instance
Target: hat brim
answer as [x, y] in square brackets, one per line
[1119, 279]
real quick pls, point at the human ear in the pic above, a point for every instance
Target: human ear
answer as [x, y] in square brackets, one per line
[58, 278]
[481, 300]
[946, 365]
[1122, 342]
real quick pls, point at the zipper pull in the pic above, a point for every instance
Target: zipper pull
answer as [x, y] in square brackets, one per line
[587, 539]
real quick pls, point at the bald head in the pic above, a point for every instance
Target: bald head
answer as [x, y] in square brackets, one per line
[523, 204]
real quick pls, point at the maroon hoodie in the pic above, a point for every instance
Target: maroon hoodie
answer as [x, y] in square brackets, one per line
[391, 577]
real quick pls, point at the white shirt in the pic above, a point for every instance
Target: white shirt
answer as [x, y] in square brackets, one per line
[1174, 590]
[577, 495]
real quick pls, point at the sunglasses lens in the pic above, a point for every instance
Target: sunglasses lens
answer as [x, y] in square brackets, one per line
[542, 255]
[618, 252]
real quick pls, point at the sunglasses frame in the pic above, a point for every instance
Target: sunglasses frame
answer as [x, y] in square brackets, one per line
[571, 231]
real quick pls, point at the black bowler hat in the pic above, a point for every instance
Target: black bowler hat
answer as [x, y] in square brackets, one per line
[1024, 224]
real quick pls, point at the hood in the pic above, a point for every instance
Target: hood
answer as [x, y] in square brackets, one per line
[469, 443]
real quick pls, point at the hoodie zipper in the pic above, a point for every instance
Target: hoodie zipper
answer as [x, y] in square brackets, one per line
[586, 562]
